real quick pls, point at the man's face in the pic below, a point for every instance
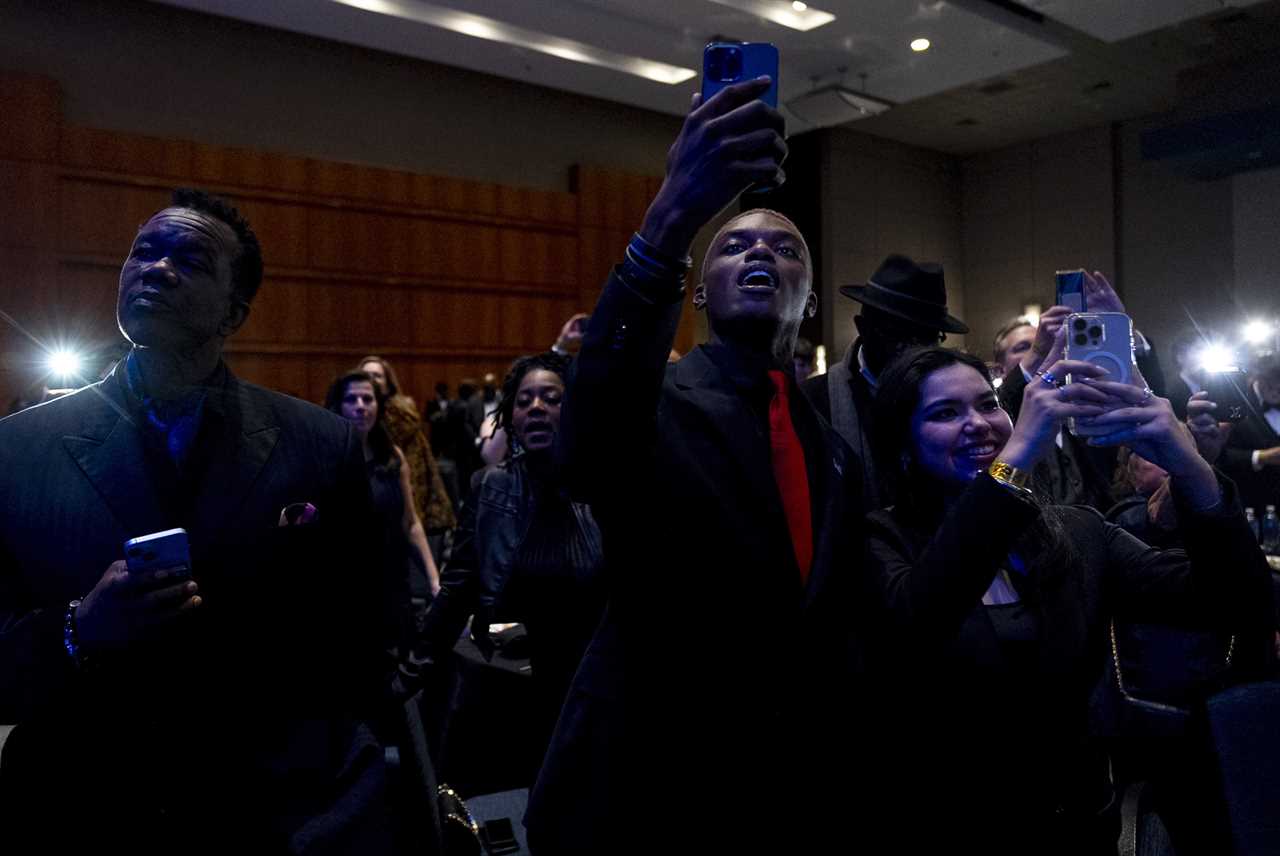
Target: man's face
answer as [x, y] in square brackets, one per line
[1269, 389]
[884, 336]
[1015, 345]
[757, 270]
[175, 286]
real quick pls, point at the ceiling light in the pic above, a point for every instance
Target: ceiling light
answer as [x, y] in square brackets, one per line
[494, 30]
[920, 45]
[835, 105]
[796, 15]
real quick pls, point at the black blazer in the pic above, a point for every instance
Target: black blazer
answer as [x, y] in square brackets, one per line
[708, 669]
[1258, 489]
[1017, 750]
[245, 716]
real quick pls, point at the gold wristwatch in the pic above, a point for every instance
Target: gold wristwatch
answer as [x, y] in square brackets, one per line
[1010, 476]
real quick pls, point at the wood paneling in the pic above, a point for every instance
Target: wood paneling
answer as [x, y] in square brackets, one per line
[446, 277]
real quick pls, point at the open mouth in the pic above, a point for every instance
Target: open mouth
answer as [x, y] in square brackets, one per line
[758, 279]
[980, 452]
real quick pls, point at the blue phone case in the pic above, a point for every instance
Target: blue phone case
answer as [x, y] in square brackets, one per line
[727, 63]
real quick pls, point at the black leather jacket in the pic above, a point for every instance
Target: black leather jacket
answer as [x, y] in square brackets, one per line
[492, 526]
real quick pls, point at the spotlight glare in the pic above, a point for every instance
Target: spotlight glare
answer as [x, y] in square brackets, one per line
[1257, 331]
[64, 363]
[920, 45]
[1216, 357]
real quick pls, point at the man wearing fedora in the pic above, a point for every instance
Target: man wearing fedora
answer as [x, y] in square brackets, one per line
[904, 305]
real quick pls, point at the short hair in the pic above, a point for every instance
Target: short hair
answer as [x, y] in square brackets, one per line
[1267, 368]
[557, 364]
[996, 350]
[393, 382]
[808, 259]
[246, 267]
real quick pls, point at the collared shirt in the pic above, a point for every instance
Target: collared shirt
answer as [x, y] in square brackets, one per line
[172, 425]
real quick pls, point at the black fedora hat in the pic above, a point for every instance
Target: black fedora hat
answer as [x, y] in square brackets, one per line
[915, 292]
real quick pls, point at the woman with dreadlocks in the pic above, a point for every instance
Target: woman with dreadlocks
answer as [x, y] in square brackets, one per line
[523, 551]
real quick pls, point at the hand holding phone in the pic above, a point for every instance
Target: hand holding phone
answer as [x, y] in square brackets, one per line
[1229, 390]
[1103, 339]
[139, 594]
[727, 63]
[168, 551]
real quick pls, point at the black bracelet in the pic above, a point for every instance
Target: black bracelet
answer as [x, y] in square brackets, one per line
[654, 260]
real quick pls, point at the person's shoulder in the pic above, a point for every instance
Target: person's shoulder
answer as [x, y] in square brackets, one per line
[64, 413]
[293, 413]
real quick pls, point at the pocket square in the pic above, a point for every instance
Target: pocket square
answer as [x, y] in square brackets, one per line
[298, 514]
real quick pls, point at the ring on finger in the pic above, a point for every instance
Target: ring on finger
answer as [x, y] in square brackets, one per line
[1048, 378]
[1146, 396]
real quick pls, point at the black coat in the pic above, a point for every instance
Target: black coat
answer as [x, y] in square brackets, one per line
[714, 671]
[1010, 743]
[1260, 488]
[243, 720]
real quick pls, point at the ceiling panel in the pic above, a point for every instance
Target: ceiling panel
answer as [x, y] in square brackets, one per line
[1113, 20]
[868, 37]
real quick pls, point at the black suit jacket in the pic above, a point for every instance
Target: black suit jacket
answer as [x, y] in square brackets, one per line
[1258, 489]
[997, 737]
[244, 716]
[874, 494]
[714, 671]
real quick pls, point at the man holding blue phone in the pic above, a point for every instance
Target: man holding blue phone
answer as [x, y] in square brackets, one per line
[714, 677]
[167, 709]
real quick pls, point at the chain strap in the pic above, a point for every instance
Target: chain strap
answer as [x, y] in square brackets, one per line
[1115, 658]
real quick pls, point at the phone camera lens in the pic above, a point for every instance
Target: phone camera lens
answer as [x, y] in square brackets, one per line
[1080, 324]
[1082, 339]
[1095, 331]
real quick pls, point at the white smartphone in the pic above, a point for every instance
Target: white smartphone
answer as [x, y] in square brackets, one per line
[1104, 339]
[168, 550]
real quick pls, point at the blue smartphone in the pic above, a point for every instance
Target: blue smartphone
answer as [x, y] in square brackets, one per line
[167, 550]
[727, 63]
[1070, 290]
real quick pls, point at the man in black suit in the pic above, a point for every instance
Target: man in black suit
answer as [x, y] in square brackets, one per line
[157, 712]
[706, 704]
[904, 305]
[1252, 456]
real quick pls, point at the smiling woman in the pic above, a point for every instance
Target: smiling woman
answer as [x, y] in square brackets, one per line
[999, 604]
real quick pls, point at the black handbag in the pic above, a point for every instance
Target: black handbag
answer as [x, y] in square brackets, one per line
[1164, 677]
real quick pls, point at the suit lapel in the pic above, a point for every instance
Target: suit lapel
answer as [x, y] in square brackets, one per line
[241, 448]
[109, 452]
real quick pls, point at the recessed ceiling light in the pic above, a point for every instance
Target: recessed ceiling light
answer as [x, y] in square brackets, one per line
[796, 15]
[920, 45]
[494, 30]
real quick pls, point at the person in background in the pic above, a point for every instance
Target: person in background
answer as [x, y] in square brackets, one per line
[804, 359]
[1012, 343]
[1000, 604]
[904, 305]
[357, 398]
[1252, 456]
[524, 552]
[404, 425]
[1190, 378]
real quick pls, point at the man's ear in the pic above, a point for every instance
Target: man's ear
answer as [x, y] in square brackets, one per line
[236, 315]
[700, 296]
[811, 305]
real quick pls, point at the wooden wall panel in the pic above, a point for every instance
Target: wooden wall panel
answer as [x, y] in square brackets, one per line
[446, 277]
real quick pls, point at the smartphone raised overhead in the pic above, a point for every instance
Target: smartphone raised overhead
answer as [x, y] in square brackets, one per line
[1069, 291]
[727, 63]
[1106, 340]
[167, 550]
